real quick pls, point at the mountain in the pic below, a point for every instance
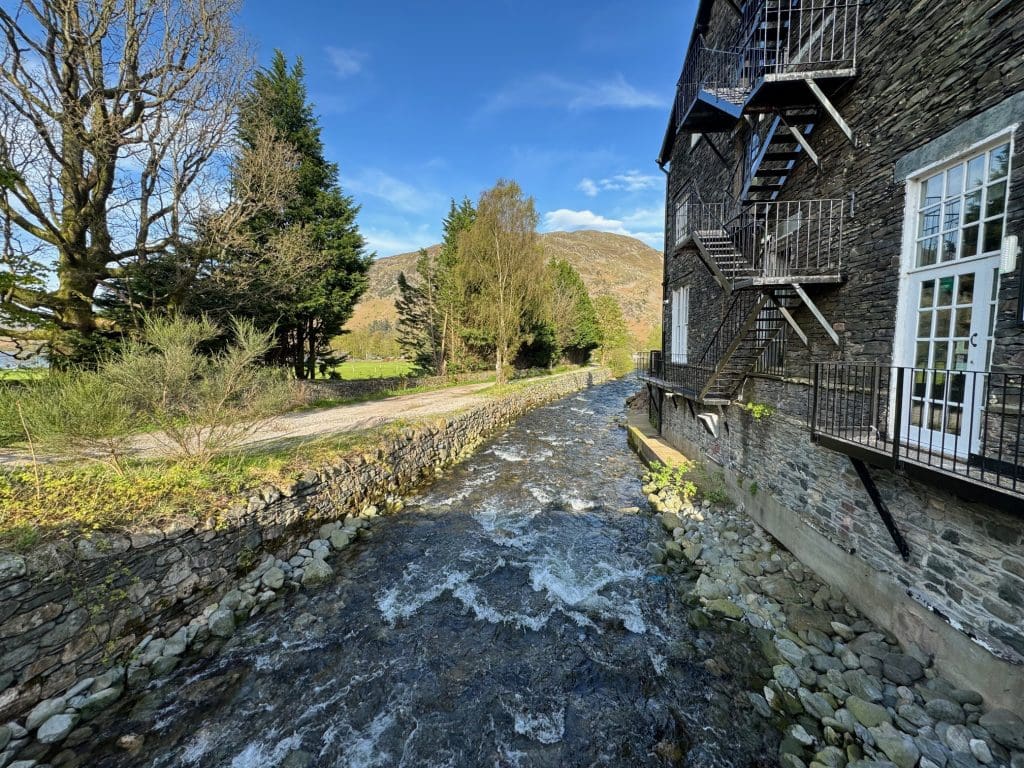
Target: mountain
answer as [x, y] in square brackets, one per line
[609, 264]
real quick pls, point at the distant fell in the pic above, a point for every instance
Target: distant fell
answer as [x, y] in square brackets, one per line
[614, 265]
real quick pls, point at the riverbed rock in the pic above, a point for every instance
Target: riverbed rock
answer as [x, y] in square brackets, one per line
[5, 736]
[97, 702]
[815, 704]
[791, 652]
[958, 738]
[1005, 727]
[340, 539]
[222, 623]
[725, 608]
[902, 668]
[945, 710]
[56, 728]
[44, 710]
[897, 746]
[981, 751]
[316, 573]
[867, 713]
[273, 578]
[786, 677]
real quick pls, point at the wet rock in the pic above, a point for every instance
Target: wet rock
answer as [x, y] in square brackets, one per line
[273, 578]
[5, 736]
[932, 750]
[867, 713]
[43, 711]
[131, 742]
[791, 652]
[799, 734]
[56, 728]
[98, 702]
[863, 685]
[785, 676]
[725, 608]
[760, 704]
[340, 539]
[1005, 727]
[692, 549]
[317, 573]
[670, 751]
[958, 738]
[164, 665]
[965, 696]
[222, 623]
[902, 668]
[698, 619]
[981, 751]
[657, 554]
[897, 746]
[945, 711]
[831, 757]
[820, 640]
[914, 715]
[138, 677]
[815, 704]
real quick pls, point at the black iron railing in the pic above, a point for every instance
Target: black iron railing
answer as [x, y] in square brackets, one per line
[801, 37]
[720, 73]
[774, 240]
[966, 425]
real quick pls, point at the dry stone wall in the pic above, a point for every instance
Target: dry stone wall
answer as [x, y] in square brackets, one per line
[73, 612]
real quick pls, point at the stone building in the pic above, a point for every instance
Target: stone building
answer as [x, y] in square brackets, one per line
[843, 312]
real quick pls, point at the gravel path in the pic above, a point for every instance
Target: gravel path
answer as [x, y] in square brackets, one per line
[328, 421]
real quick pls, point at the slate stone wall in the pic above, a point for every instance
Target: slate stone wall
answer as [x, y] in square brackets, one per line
[69, 612]
[926, 69]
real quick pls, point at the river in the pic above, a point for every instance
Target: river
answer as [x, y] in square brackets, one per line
[509, 616]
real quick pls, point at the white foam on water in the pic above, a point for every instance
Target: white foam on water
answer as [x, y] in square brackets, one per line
[360, 748]
[545, 727]
[577, 504]
[659, 662]
[403, 600]
[578, 590]
[262, 755]
[470, 596]
[194, 750]
[508, 454]
[540, 494]
[542, 455]
[555, 439]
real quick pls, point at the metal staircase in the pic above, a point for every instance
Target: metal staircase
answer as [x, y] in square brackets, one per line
[775, 152]
[753, 321]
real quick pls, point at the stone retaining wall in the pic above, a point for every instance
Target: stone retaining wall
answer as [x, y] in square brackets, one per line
[71, 612]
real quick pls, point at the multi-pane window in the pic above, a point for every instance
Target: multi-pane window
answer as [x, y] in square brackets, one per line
[682, 218]
[680, 324]
[962, 211]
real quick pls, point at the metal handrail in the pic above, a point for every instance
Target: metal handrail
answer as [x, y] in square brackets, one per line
[804, 36]
[968, 424]
[717, 71]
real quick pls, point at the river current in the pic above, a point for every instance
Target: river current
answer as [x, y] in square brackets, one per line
[509, 616]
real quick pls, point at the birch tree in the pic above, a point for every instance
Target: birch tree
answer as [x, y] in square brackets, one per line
[113, 118]
[503, 267]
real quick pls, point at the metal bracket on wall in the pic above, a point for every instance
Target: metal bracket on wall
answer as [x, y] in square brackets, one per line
[883, 510]
[718, 154]
[817, 313]
[831, 109]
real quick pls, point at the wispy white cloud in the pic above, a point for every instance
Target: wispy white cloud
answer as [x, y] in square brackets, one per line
[640, 224]
[346, 61]
[388, 242]
[554, 91]
[401, 195]
[630, 181]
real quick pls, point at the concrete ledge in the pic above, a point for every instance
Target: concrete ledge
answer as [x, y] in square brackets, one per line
[648, 444]
[875, 594]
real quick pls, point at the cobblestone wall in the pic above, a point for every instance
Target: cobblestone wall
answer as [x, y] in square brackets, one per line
[69, 612]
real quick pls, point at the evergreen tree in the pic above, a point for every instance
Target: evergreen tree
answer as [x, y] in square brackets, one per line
[321, 216]
[576, 328]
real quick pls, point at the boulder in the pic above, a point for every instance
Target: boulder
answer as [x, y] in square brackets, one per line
[896, 745]
[725, 608]
[1006, 728]
[222, 623]
[902, 668]
[866, 713]
[316, 573]
[44, 710]
[273, 578]
[56, 728]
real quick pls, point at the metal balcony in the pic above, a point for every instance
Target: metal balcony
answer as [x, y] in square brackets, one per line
[711, 89]
[773, 243]
[961, 430]
[793, 43]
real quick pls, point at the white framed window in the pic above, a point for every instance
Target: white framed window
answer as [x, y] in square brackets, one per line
[680, 324]
[682, 218]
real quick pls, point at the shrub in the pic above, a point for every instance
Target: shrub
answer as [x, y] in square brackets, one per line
[199, 404]
[70, 412]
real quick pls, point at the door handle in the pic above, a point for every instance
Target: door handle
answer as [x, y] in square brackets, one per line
[974, 340]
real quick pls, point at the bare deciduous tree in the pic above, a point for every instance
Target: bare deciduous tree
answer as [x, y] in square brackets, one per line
[115, 117]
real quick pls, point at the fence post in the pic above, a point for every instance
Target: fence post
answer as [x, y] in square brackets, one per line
[898, 423]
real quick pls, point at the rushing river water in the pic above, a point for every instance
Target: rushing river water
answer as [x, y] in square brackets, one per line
[509, 616]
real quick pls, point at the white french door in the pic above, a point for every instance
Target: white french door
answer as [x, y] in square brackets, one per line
[952, 340]
[952, 293]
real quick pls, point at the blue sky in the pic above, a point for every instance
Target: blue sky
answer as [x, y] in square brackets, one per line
[424, 101]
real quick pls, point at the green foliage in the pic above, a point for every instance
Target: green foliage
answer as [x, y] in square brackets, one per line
[758, 410]
[577, 329]
[76, 412]
[616, 349]
[690, 479]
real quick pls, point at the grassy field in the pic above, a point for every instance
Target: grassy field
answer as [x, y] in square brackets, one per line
[22, 374]
[374, 369]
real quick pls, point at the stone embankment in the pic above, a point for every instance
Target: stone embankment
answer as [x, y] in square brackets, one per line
[843, 691]
[84, 624]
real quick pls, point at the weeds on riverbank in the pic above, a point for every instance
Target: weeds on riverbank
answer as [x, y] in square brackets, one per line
[68, 500]
[689, 480]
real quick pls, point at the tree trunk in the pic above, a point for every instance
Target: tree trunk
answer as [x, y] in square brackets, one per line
[499, 365]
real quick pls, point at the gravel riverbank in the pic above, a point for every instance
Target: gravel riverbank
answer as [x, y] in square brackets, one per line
[843, 691]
